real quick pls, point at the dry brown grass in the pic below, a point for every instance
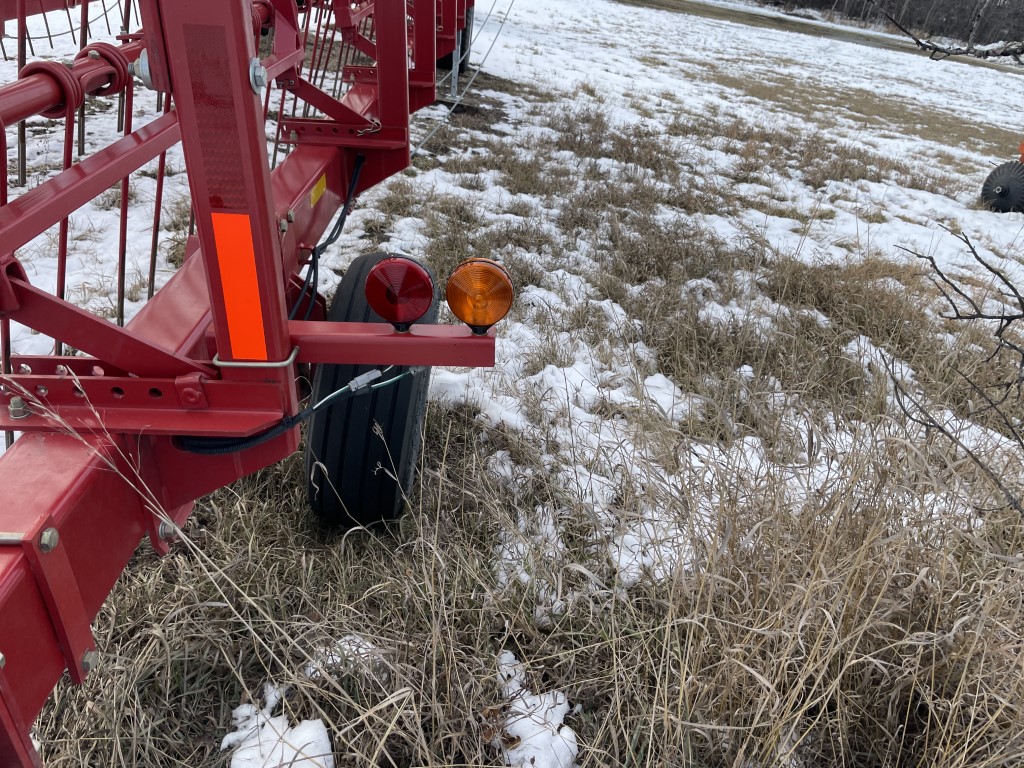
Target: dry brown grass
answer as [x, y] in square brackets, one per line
[863, 629]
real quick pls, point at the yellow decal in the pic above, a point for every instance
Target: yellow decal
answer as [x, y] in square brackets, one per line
[318, 191]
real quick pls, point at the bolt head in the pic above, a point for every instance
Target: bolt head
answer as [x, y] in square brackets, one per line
[48, 540]
[3, 661]
[167, 531]
[257, 75]
[17, 408]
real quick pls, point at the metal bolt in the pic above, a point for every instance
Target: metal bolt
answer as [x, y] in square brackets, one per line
[94, 55]
[89, 661]
[167, 531]
[17, 409]
[291, 217]
[293, 136]
[140, 68]
[3, 661]
[257, 75]
[48, 540]
[282, 226]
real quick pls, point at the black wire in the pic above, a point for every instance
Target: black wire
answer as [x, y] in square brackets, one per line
[312, 278]
[218, 446]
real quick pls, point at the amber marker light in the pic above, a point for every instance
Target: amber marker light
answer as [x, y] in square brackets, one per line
[479, 293]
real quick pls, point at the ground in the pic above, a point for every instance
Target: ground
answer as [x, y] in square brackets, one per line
[706, 510]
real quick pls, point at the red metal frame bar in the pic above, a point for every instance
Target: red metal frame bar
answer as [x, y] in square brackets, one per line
[98, 467]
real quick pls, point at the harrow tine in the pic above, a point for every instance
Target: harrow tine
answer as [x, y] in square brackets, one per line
[325, 59]
[161, 168]
[71, 24]
[125, 21]
[83, 40]
[62, 232]
[122, 240]
[106, 16]
[46, 23]
[84, 28]
[22, 60]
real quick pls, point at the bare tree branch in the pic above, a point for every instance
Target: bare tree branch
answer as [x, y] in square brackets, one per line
[1011, 50]
[919, 413]
[1008, 318]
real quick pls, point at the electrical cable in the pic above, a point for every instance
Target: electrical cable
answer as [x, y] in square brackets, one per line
[219, 446]
[312, 278]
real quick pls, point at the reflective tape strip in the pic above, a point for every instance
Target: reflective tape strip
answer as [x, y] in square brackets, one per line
[236, 260]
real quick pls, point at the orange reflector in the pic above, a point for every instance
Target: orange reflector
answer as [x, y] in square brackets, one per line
[236, 260]
[479, 293]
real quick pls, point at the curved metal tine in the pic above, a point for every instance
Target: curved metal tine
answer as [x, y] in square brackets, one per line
[22, 60]
[161, 169]
[122, 239]
[71, 24]
[46, 23]
[83, 40]
[62, 232]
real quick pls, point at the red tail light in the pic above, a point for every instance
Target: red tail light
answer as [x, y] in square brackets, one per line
[399, 290]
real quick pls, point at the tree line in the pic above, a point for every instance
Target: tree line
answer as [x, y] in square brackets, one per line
[976, 22]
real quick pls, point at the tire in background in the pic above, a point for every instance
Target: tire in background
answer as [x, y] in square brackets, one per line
[1003, 190]
[466, 43]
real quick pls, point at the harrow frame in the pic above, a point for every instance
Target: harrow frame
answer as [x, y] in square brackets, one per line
[213, 352]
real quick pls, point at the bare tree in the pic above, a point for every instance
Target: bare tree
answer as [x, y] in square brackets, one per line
[1006, 316]
[1001, 50]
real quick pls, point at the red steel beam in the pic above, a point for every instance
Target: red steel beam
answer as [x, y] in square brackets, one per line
[35, 211]
[380, 344]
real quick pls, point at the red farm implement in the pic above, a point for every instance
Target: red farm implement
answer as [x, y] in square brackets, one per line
[124, 424]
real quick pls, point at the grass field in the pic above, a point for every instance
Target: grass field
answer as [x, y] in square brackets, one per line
[732, 496]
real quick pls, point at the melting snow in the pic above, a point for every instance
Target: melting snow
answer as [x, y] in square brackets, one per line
[535, 735]
[261, 740]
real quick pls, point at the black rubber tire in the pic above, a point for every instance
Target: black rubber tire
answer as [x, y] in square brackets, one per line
[466, 42]
[1003, 190]
[350, 470]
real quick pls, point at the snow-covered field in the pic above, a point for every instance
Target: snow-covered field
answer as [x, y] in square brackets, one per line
[615, 431]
